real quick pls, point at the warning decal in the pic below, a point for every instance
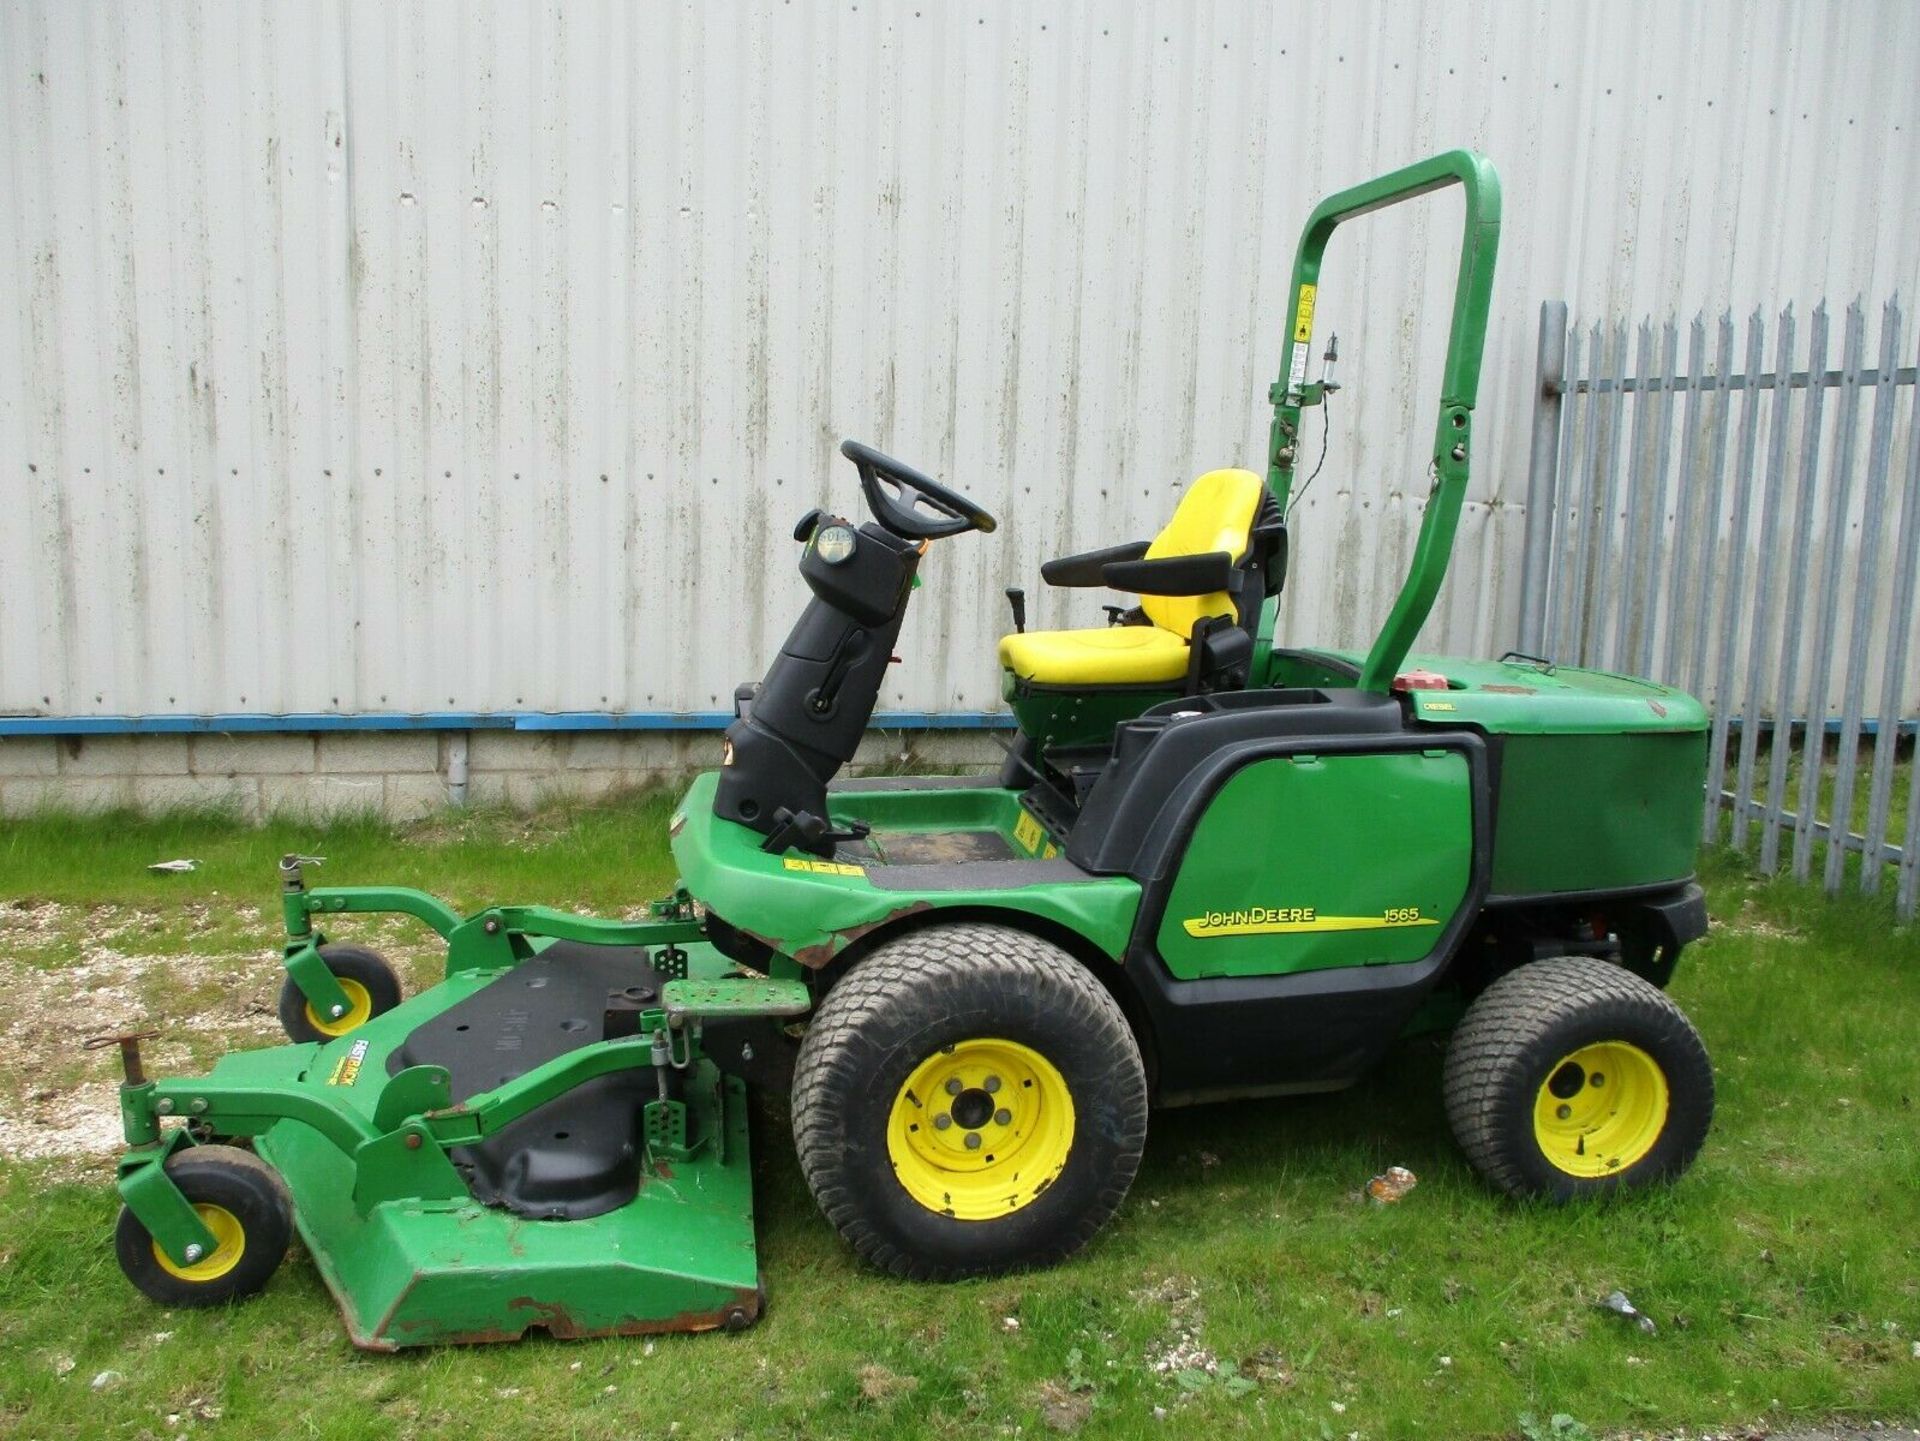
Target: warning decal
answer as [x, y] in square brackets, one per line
[1303, 315]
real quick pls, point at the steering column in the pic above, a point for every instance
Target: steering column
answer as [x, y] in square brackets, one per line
[794, 730]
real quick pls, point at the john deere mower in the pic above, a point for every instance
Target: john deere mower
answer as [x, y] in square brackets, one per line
[1212, 866]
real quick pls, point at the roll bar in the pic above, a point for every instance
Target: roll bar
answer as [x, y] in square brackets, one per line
[1466, 340]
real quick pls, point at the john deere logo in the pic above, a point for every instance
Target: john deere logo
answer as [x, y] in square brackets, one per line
[1292, 920]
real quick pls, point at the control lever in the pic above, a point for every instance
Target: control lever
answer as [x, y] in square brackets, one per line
[851, 650]
[809, 832]
[1017, 598]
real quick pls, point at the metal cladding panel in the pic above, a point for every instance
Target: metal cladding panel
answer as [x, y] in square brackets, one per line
[402, 357]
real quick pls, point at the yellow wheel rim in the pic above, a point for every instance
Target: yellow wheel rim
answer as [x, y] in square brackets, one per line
[1601, 1109]
[229, 1245]
[980, 1129]
[359, 1010]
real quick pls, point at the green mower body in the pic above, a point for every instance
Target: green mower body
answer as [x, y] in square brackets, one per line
[1277, 884]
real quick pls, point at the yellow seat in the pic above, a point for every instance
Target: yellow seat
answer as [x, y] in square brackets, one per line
[1109, 655]
[1216, 514]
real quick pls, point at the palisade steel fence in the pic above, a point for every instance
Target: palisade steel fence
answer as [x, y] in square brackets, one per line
[1746, 525]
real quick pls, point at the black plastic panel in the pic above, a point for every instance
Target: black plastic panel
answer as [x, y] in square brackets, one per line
[1309, 1031]
[1160, 758]
[578, 1155]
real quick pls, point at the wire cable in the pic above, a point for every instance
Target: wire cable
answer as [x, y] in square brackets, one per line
[1326, 425]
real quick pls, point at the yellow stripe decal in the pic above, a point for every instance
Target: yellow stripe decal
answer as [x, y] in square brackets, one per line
[1276, 921]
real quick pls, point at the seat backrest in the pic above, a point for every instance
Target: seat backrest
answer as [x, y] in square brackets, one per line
[1216, 513]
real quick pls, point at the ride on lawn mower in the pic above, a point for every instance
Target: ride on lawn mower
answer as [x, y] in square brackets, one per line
[1212, 866]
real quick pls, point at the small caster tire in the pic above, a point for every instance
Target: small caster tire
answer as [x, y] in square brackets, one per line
[1573, 1077]
[242, 1202]
[371, 984]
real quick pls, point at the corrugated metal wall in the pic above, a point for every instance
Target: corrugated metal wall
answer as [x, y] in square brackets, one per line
[384, 357]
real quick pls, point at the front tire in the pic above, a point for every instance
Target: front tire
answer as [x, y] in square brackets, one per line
[1572, 1077]
[968, 1100]
[243, 1204]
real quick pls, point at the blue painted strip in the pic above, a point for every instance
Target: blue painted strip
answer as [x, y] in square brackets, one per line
[258, 724]
[1869, 725]
[247, 724]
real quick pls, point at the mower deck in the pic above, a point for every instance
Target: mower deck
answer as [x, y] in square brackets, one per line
[643, 1247]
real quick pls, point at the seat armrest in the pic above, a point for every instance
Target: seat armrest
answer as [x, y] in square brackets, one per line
[1089, 567]
[1173, 574]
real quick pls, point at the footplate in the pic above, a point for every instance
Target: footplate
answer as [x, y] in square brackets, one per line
[735, 999]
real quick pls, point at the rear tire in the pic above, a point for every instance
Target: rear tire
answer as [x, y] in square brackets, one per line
[243, 1203]
[1572, 1077]
[968, 1100]
[371, 984]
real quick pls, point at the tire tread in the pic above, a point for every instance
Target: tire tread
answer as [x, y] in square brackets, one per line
[938, 958]
[1487, 1049]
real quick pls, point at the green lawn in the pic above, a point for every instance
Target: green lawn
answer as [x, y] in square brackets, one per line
[1784, 1272]
[1860, 793]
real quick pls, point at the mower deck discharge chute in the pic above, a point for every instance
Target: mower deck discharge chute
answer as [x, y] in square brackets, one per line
[1211, 866]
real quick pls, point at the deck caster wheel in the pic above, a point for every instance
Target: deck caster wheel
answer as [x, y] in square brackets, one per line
[366, 976]
[242, 1202]
[968, 1100]
[1571, 1077]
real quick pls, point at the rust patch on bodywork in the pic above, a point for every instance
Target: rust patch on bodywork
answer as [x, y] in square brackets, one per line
[820, 954]
[557, 1321]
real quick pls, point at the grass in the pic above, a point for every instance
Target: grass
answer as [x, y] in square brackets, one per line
[1784, 1272]
[1860, 791]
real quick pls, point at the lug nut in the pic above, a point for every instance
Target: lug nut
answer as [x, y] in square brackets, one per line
[194, 1252]
[954, 1087]
[1564, 1112]
[1003, 1117]
[1596, 1079]
[337, 1012]
[992, 1084]
[942, 1121]
[973, 1140]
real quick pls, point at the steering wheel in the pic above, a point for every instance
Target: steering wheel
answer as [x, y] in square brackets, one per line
[912, 505]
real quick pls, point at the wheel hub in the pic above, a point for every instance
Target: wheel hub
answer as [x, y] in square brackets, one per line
[1601, 1109]
[229, 1245]
[359, 1011]
[980, 1128]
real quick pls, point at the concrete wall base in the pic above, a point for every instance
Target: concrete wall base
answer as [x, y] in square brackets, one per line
[398, 775]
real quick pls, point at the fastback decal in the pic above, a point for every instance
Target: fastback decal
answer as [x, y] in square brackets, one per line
[347, 1069]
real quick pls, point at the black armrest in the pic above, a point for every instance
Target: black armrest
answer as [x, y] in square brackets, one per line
[1173, 574]
[1089, 567]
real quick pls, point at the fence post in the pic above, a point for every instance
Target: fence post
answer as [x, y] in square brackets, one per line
[1543, 461]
